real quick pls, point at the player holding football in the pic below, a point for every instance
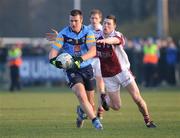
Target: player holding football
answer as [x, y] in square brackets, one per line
[115, 68]
[96, 27]
[77, 40]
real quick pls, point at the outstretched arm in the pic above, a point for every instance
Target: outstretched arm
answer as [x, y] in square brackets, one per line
[52, 36]
[110, 41]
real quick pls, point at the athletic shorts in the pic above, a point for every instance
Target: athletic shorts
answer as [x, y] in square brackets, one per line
[96, 67]
[123, 79]
[84, 75]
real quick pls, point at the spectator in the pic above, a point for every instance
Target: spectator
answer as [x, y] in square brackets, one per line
[14, 62]
[150, 60]
[162, 64]
[171, 57]
[3, 58]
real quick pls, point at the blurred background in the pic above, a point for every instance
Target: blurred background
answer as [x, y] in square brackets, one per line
[154, 23]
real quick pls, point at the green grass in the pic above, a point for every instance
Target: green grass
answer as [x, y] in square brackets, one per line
[50, 113]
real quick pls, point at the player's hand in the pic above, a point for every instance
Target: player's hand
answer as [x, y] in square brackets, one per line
[52, 36]
[101, 41]
[77, 62]
[56, 63]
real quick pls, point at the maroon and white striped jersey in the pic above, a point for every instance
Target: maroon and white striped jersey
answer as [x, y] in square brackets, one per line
[113, 58]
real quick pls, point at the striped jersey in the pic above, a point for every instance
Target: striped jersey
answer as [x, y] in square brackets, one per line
[76, 44]
[113, 58]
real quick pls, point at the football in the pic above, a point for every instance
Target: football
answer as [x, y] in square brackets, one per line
[66, 60]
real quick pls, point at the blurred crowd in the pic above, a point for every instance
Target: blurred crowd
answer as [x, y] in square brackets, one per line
[154, 62]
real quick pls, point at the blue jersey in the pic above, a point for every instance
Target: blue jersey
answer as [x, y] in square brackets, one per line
[76, 44]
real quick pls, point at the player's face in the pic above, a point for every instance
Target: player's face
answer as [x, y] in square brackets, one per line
[108, 26]
[95, 20]
[76, 23]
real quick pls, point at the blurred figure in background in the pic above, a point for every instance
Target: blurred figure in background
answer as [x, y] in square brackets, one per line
[129, 49]
[150, 61]
[138, 67]
[162, 64]
[171, 57]
[14, 62]
[3, 61]
[96, 27]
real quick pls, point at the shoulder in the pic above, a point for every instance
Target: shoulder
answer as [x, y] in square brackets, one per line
[118, 34]
[90, 27]
[86, 29]
[65, 30]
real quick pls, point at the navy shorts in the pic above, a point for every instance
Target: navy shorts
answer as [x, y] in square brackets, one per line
[84, 75]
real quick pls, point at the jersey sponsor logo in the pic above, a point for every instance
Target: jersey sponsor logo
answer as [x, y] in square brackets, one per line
[69, 40]
[104, 54]
[77, 48]
[72, 41]
[104, 51]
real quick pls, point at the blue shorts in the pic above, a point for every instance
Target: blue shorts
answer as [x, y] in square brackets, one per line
[84, 75]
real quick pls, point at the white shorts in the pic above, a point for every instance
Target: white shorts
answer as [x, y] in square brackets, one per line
[96, 67]
[123, 79]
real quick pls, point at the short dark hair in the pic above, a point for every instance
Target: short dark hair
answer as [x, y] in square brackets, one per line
[112, 17]
[76, 12]
[96, 11]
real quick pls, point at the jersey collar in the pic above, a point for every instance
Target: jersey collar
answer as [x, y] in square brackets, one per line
[70, 29]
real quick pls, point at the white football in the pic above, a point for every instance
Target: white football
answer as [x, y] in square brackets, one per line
[66, 60]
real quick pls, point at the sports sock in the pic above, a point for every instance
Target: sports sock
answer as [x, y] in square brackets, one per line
[146, 119]
[94, 119]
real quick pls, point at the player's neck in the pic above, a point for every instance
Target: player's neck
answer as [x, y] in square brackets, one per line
[107, 34]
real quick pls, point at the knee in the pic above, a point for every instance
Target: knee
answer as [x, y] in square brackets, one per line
[116, 107]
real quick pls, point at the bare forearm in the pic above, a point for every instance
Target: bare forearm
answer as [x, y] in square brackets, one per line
[110, 41]
[53, 53]
[90, 54]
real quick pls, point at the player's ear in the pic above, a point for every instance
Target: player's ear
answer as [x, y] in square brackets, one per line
[81, 19]
[115, 26]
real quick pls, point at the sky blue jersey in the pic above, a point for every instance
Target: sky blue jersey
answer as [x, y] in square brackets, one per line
[76, 44]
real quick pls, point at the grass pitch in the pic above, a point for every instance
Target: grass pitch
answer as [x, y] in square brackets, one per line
[50, 113]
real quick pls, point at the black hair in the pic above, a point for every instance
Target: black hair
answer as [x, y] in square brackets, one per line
[112, 17]
[76, 12]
